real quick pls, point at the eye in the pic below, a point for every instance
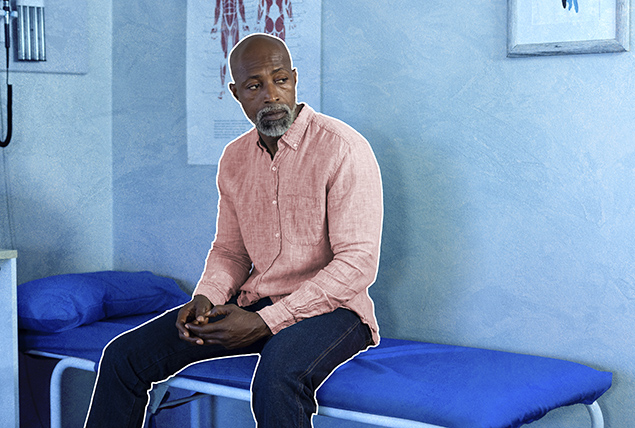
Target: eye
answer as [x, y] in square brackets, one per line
[253, 87]
[282, 80]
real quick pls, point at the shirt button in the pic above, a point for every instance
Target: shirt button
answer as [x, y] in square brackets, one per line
[273, 168]
[275, 202]
[277, 235]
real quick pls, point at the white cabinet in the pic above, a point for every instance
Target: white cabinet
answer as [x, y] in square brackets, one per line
[9, 401]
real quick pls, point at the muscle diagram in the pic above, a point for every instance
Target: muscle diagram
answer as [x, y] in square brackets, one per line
[274, 20]
[229, 15]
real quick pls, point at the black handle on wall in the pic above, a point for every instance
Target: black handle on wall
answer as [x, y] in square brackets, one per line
[7, 140]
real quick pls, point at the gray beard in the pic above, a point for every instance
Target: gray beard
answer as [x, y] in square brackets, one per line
[274, 128]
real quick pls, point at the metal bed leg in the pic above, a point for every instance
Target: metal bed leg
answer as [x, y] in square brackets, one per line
[56, 385]
[597, 420]
[156, 396]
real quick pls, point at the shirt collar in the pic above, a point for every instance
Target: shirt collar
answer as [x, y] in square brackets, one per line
[293, 137]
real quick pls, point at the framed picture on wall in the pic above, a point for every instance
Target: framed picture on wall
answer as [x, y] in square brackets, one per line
[559, 27]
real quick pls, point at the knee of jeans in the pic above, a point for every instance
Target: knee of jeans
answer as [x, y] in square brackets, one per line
[119, 356]
[120, 362]
[112, 353]
[282, 397]
[275, 379]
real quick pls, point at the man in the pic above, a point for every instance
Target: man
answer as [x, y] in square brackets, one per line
[296, 248]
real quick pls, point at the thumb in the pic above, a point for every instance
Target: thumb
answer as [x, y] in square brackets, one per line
[221, 310]
[202, 308]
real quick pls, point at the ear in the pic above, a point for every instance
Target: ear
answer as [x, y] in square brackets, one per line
[234, 90]
[295, 75]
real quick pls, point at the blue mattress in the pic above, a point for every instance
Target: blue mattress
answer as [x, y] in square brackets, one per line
[443, 385]
[85, 341]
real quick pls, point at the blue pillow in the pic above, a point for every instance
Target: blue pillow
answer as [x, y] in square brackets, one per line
[63, 302]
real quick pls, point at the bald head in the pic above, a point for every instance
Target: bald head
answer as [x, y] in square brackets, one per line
[256, 44]
[264, 85]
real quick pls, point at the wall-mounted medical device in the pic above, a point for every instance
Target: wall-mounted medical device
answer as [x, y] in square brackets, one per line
[33, 46]
[31, 30]
[9, 13]
[46, 36]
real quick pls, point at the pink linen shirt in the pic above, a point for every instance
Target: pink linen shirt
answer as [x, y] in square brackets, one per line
[303, 229]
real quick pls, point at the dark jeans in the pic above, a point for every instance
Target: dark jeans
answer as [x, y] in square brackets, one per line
[293, 364]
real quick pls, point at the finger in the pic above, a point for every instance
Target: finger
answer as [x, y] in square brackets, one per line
[201, 319]
[202, 313]
[193, 340]
[184, 332]
[221, 310]
[189, 336]
[205, 331]
[181, 319]
[181, 326]
[214, 333]
[183, 314]
[202, 306]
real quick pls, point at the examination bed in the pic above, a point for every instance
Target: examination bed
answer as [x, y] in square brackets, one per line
[399, 383]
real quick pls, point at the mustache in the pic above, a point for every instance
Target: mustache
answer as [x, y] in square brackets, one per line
[272, 108]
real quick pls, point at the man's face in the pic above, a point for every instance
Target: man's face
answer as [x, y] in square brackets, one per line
[265, 87]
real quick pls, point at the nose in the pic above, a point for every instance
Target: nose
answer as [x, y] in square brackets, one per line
[271, 93]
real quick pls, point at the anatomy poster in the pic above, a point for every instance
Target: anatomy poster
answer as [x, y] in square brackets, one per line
[214, 118]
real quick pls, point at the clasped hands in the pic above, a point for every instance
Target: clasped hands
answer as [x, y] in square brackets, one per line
[238, 328]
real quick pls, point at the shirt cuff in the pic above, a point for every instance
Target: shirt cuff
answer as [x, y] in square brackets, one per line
[214, 297]
[277, 317]
[208, 287]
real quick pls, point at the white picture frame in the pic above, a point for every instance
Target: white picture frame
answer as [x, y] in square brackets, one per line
[561, 27]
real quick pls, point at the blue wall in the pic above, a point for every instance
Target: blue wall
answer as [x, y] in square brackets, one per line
[164, 209]
[509, 183]
[58, 166]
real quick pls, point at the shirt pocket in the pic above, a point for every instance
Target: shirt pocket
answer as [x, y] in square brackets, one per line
[303, 219]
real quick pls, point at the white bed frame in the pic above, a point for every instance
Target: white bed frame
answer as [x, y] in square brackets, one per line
[597, 419]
